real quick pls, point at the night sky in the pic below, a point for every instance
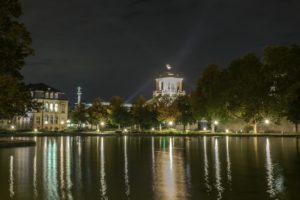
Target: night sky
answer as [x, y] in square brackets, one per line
[118, 47]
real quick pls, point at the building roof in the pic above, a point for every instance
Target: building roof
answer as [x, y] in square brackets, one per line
[42, 87]
[168, 73]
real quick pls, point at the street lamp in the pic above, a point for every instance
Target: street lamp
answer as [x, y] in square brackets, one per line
[267, 121]
[216, 122]
[12, 127]
[102, 123]
[170, 123]
[227, 130]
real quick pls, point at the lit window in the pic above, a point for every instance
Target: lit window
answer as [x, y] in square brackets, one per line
[56, 107]
[51, 95]
[46, 107]
[51, 107]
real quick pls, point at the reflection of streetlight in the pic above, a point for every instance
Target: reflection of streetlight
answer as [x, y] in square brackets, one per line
[267, 121]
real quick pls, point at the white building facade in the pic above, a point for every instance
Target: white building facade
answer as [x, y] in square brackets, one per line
[52, 114]
[169, 83]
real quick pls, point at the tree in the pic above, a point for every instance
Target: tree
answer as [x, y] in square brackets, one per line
[186, 114]
[79, 115]
[166, 109]
[208, 100]
[119, 114]
[14, 97]
[15, 46]
[97, 113]
[143, 114]
[283, 67]
[249, 91]
[293, 108]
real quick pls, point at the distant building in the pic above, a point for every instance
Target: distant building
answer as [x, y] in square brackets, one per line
[88, 105]
[53, 112]
[169, 83]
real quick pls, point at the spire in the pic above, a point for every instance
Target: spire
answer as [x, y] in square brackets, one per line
[79, 93]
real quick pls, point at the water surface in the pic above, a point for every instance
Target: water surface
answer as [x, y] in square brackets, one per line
[152, 168]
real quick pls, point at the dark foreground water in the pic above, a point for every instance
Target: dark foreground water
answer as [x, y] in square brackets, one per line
[152, 168]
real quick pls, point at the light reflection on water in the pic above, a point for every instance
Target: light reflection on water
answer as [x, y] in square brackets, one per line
[160, 167]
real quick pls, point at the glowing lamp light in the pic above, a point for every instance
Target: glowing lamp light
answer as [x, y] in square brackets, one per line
[83, 125]
[46, 122]
[35, 130]
[227, 131]
[102, 123]
[62, 122]
[68, 121]
[125, 130]
[216, 122]
[152, 129]
[170, 123]
[13, 127]
[204, 128]
[267, 121]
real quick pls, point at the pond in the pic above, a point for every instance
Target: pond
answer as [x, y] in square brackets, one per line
[132, 167]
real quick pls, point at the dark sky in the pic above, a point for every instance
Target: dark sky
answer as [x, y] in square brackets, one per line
[118, 47]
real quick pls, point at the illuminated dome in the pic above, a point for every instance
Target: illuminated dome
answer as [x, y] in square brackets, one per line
[169, 83]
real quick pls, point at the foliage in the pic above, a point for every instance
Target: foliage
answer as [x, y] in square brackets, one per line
[249, 90]
[293, 108]
[209, 100]
[97, 112]
[79, 115]
[143, 114]
[166, 109]
[14, 97]
[186, 114]
[119, 114]
[15, 46]
[15, 41]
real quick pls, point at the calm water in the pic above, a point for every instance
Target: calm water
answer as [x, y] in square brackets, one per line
[152, 168]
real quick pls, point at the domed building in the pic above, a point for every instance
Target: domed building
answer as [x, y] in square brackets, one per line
[169, 83]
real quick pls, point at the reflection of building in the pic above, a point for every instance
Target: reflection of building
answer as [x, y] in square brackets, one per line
[169, 83]
[53, 112]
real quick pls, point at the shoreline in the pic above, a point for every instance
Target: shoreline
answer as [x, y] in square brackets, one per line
[16, 143]
[157, 134]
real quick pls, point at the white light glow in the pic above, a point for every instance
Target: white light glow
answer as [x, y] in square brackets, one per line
[216, 122]
[267, 121]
